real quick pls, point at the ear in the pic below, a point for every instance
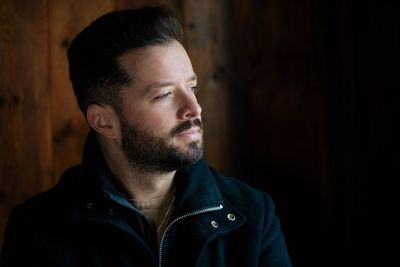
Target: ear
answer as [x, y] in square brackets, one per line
[104, 120]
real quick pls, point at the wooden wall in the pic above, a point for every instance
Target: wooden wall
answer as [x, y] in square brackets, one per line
[43, 130]
[300, 99]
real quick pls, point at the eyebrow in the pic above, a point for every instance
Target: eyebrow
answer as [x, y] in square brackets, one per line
[157, 85]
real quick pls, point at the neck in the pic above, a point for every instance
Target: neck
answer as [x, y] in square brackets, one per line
[137, 184]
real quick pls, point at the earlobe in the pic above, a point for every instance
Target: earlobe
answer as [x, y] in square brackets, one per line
[102, 120]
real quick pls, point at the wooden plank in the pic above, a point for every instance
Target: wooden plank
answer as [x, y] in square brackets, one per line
[125, 4]
[25, 160]
[278, 73]
[69, 126]
[205, 38]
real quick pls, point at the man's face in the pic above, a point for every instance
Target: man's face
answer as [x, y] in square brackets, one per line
[161, 127]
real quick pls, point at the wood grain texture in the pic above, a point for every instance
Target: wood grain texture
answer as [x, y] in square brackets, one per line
[26, 154]
[69, 128]
[45, 129]
[126, 4]
[205, 39]
[299, 99]
[279, 89]
[278, 73]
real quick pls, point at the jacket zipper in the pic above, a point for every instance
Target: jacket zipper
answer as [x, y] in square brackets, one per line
[219, 207]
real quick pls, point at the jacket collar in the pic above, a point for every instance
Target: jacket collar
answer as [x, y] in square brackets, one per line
[97, 174]
[195, 185]
[196, 191]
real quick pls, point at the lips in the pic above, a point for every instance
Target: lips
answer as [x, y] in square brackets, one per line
[191, 131]
[188, 126]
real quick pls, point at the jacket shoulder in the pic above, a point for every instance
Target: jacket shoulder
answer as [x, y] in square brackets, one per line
[34, 222]
[259, 210]
[53, 199]
[238, 190]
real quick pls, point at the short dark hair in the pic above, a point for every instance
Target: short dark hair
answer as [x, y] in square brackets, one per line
[93, 55]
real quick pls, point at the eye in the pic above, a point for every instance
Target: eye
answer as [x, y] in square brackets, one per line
[162, 96]
[194, 89]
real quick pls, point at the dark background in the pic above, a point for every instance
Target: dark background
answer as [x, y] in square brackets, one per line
[300, 99]
[317, 94]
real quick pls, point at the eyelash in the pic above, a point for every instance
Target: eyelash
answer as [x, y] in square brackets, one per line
[163, 96]
[194, 89]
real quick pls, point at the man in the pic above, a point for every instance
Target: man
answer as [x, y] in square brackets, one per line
[143, 195]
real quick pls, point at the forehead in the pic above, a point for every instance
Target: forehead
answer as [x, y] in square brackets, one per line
[157, 63]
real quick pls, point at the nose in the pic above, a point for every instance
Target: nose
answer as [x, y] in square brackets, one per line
[189, 107]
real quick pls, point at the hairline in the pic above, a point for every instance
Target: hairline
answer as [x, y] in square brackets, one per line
[116, 102]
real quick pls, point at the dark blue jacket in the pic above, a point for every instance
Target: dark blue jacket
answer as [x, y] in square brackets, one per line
[85, 221]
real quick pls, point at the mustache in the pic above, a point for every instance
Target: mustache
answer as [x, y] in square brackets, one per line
[186, 126]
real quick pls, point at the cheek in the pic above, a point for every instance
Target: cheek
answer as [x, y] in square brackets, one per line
[157, 123]
[159, 119]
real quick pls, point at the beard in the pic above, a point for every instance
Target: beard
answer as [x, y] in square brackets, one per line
[151, 153]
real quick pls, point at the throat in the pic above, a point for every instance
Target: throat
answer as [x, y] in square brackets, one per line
[157, 211]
